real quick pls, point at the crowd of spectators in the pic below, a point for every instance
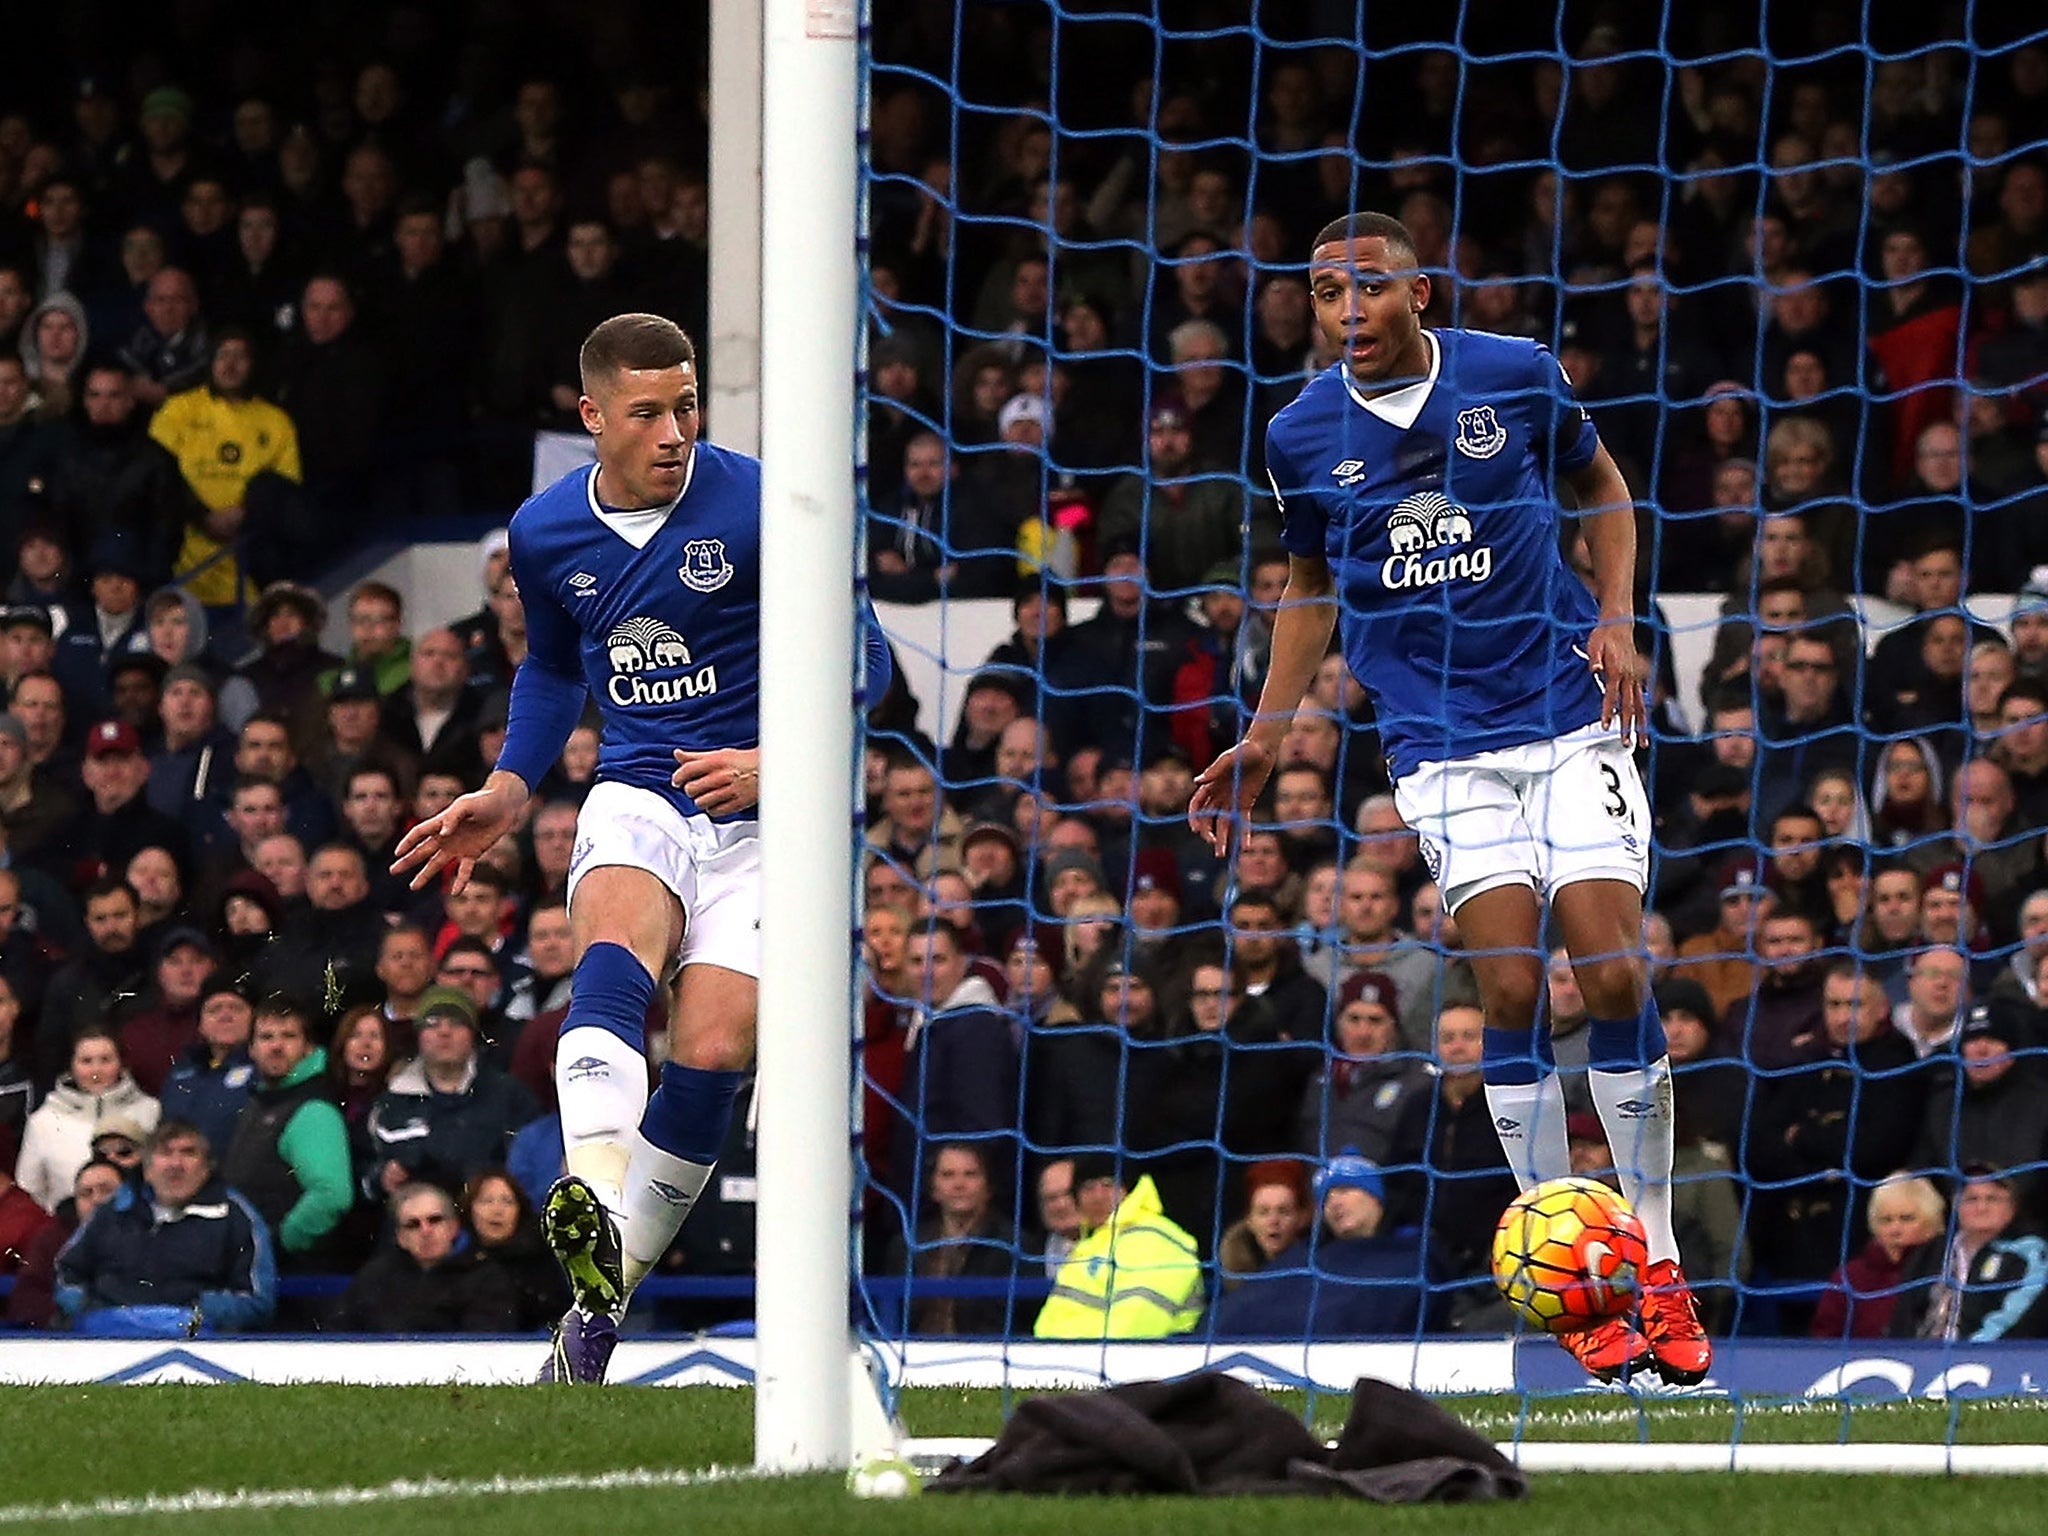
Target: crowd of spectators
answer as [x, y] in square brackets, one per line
[1807, 304]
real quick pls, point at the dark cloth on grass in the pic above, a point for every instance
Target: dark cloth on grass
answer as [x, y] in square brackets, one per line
[1212, 1434]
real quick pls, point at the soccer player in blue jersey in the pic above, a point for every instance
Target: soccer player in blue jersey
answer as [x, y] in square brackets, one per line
[1416, 481]
[641, 580]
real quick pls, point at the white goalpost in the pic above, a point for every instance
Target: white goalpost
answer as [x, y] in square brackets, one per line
[809, 320]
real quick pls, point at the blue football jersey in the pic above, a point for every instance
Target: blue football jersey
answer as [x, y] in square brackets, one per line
[658, 612]
[1435, 507]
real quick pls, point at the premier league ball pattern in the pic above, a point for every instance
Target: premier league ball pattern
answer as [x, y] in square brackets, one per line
[1568, 1253]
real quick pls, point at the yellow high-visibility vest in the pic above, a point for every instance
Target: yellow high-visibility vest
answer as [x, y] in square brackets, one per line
[1137, 1276]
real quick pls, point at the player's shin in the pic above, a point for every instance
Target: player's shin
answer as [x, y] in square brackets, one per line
[1630, 1078]
[673, 1156]
[601, 1068]
[1527, 1105]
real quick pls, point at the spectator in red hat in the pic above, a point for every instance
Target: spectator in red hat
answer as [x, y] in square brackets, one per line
[1152, 911]
[1365, 1091]
[1950, 906]
[1277, 1216]
[120, 821]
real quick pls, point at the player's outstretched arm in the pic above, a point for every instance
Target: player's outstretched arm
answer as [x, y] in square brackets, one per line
[463, 833]
[1607, 516]
[1228, 788]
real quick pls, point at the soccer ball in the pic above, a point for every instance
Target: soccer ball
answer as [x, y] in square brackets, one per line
[1567, 1254]
[884, 1477]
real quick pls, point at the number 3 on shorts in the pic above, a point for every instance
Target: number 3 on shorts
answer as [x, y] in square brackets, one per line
[1616, 803]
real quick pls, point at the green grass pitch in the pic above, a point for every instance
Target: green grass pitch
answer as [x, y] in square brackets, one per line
[75, 1445]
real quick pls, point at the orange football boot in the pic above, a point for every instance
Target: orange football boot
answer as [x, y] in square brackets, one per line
[1671, 1322]
[1609, 1351]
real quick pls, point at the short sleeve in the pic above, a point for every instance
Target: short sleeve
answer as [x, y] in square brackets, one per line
[1559, 415]
[1304, 524]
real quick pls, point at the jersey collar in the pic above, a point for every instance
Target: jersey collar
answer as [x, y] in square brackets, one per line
[1400, 407]
[637, 527]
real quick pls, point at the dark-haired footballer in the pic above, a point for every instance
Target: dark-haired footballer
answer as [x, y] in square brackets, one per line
[641, 580]
[1416, 478]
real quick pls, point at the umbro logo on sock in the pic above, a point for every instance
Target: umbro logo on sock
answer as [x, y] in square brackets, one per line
[1504, 1125]
[668, 1192]
[587, 1067]
[1636, 1109]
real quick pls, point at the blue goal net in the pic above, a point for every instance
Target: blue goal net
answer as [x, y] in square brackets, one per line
[1793, 261]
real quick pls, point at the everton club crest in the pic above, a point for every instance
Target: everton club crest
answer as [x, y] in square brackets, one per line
[1480, 436]
[704, 567]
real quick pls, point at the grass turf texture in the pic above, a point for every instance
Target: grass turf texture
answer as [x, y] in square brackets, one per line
[78, 1444]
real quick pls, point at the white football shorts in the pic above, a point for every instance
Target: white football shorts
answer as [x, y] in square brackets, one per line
[1542, 815]
[713, 867]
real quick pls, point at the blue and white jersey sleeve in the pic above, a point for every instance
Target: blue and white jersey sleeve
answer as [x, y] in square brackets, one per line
[1304, 521]
[1570, 433]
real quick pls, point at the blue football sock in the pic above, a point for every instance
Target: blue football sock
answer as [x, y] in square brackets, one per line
[1514, 1055]
[691, 1111]
[1615, 1045]
[611, 990]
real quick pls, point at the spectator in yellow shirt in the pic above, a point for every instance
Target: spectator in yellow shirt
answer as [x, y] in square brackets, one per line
[224, 438]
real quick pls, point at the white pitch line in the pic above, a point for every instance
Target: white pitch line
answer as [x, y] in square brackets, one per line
[399, 1491]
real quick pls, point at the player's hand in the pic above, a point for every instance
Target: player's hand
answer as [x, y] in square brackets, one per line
[1611, 653]
[460, 835]
[1226, 791]
[721, 781]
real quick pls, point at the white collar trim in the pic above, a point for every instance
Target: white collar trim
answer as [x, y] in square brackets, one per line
[1400, 407]
[637, 527]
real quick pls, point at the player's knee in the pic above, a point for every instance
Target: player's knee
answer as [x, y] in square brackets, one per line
[1615, 987]
[1510, 994]
[728, 1049]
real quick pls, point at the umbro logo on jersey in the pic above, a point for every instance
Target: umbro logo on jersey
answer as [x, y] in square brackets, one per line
[583, 584]
[1350, 472]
